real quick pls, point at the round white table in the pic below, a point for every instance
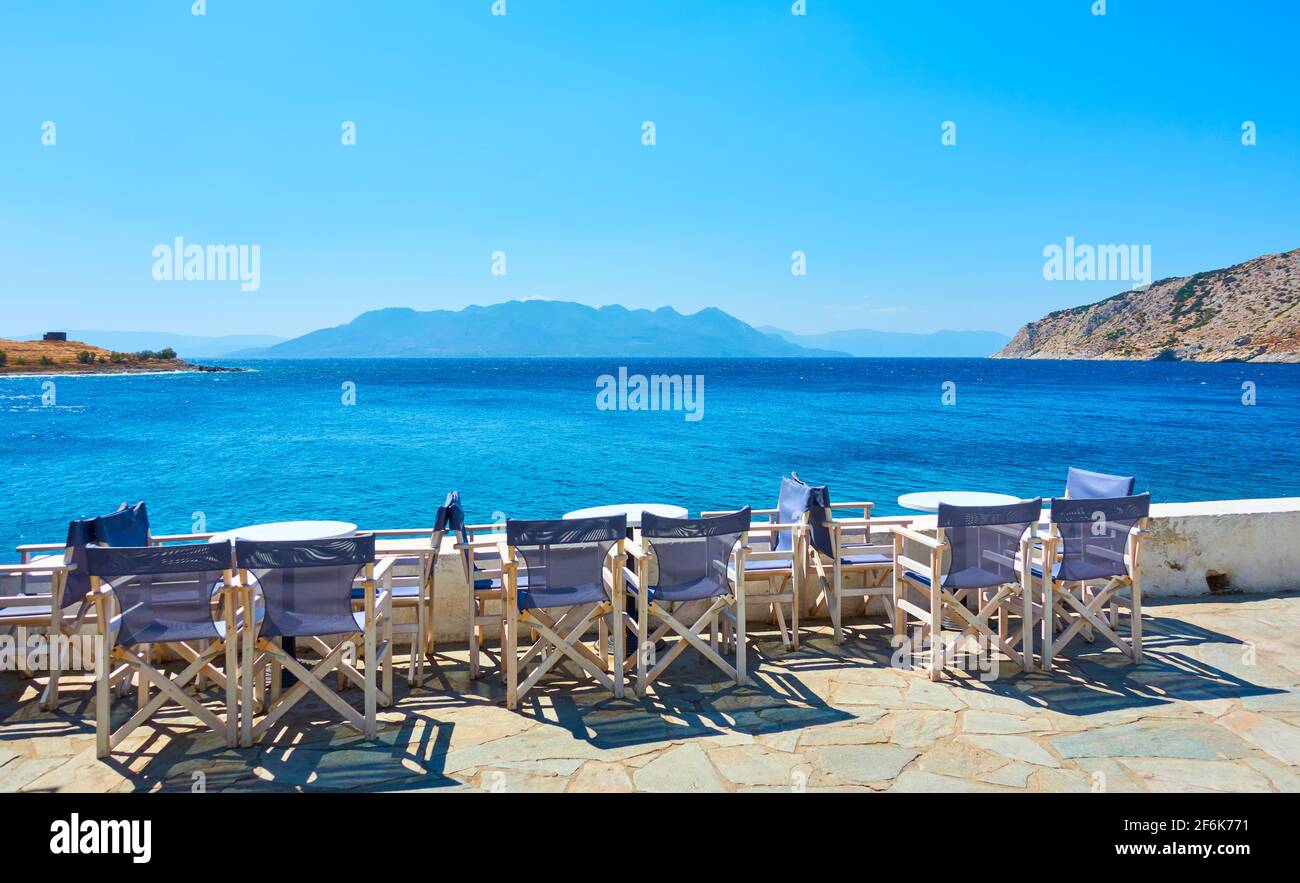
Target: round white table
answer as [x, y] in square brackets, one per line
[928, 501]
[287, 532]
[631, 510]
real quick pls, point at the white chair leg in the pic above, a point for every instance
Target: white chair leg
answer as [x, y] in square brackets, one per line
[371, 697]
[103, 699]
[739, 636]
[644, 647]
[508, 641]
[474, 631]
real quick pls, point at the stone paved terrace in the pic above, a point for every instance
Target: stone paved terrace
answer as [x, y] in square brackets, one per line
[1215, 706]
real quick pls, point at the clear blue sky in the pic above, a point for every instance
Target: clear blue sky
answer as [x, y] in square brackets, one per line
[523, 134]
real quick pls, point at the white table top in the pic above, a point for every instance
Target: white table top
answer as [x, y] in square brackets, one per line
[631, 510]
[928, 501]
[287, 531]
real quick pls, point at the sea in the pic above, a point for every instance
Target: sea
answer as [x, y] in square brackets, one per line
[381, 442]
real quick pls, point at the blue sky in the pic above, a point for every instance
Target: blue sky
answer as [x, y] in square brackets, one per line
[522, 133]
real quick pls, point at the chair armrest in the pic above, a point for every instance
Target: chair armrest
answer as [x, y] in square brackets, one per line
[635, 549]
[769, 528]
[41, 567]
[884, 521]
[428, 531]
[774, 555]
[41, 547]
[908, 533]
[383, 565]
[491, 542]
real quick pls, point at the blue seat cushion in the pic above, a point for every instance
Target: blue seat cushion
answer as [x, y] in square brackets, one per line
[298, 625]
[705, 587]
[34, 610]
[398, 592]
[1037, 571]
[776, 564]
[969, 578]
[560, 596]
[865, 560]
[494, 584]
[1069, 569]
[162, 631]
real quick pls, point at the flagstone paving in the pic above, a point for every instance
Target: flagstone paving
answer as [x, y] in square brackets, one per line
[1215, 706]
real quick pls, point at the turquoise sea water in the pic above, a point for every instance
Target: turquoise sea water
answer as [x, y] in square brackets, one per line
[524, 438]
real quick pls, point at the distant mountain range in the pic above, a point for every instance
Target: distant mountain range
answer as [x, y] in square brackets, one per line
[559, 328]
[546, 328]
[540, 328]
[186, 346]
[863, 342]
[1244, 313]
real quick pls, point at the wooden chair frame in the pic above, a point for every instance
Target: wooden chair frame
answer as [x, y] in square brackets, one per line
[723, 615]
[480, 618]
[562, 637]
[54, 560]
[990, 601]
[418, 547]
[784, 585]
[1097, 603]
[258, 651]
[843, 532]
[170, 689]
[52, 623]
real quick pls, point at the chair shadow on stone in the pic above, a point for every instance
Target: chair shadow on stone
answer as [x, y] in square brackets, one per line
[1103, 680]
[693, 700]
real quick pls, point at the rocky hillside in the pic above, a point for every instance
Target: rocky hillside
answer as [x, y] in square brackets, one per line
[1246, 313]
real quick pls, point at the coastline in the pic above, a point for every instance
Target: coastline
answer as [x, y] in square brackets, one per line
[71, 358]
[118, 371]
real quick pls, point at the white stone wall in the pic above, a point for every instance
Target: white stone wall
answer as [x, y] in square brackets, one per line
[1255, 544]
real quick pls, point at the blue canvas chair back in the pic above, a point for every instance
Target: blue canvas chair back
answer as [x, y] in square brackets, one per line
[984, 541]
[451, 517]
[564, 560]
[80, 534]
[1080, 484]
[796, 499]
[164, 592]
[307, 586]
[128, 526]
[693, 553]
[1094, 535]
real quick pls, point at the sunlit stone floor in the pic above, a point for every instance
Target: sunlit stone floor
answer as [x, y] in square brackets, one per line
[1215, 706]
